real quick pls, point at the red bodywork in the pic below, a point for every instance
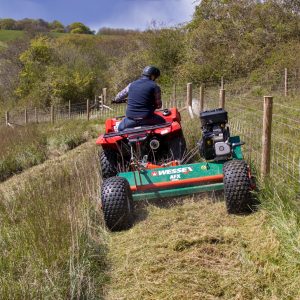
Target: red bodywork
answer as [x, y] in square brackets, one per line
[173, 126]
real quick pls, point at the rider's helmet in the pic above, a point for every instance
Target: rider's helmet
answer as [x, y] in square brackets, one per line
[151, 70]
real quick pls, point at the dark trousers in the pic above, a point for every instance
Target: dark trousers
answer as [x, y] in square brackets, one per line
[130, 123]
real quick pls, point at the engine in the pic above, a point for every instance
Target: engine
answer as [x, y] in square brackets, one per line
[214, 144]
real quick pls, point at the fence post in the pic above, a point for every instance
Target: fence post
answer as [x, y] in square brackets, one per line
[25, 116]
[104, 94]
[174, 94]
[6, 118]
[222, 98]
[88, 109]
[266, 137]
[222, 83]
[36, 115]
[189, 99]
[52, 114]
[285, 82]
[69, 110]
[201, 99]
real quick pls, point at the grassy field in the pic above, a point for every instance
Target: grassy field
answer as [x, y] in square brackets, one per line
[24, 147]
[55, 246]
[9, 35]
[52, 242]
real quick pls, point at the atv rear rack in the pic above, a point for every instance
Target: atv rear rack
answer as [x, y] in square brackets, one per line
[136, 130]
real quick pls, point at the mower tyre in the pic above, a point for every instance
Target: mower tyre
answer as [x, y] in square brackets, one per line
[108, 163]
[237, 187]
[177, 146]
[117, 203]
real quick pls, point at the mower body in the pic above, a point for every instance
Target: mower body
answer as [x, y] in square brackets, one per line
[156, 183]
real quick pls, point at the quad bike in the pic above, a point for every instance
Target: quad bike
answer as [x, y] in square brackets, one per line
[223, 167]
[146, 145]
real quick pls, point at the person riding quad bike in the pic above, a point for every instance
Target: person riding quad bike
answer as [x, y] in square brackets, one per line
[143, 98]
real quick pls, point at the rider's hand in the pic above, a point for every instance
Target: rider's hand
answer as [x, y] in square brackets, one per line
[113, 101]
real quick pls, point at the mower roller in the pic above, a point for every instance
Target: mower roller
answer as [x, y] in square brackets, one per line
[223, 167]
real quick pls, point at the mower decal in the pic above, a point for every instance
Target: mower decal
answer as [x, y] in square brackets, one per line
[175, 177]
[184, 170]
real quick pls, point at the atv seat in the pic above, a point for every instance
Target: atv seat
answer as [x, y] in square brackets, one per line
[136, 130]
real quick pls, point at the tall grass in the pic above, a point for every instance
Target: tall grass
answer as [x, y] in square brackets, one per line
[52, 242]
[24, 147]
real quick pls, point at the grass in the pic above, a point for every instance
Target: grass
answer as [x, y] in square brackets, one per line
[193, 250]
[52, 242]
[24, 147]
[9, 35]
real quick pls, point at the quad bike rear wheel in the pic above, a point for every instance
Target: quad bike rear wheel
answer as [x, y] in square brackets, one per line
[117, 203]
[237, 187]
[177, 146]
[108, 163]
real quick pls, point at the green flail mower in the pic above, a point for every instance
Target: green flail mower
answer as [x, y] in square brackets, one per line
[223, 168]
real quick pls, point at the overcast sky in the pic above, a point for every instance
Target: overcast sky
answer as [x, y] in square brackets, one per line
[135, 14]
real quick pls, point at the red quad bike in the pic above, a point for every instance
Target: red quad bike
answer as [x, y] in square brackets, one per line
[145, 146]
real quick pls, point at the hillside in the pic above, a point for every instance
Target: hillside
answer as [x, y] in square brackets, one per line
[9, 35]
[54, 243]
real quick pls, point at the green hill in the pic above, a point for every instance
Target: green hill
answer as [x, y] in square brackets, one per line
[9, 35]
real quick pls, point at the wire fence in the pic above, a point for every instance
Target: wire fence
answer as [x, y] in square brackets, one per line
[244, 103]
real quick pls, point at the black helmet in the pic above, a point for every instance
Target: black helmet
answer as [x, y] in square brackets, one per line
[151, 70]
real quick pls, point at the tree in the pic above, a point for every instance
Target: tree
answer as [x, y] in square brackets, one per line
[8, 24]
[79, 28]
[57, 26]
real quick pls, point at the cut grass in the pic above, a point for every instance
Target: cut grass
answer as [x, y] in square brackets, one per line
[194, 250]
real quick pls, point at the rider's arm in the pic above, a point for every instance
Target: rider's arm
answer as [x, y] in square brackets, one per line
[122, 95]
[157, 94]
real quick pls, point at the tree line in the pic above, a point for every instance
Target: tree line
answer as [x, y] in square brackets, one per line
[232, 38]
[40, 25]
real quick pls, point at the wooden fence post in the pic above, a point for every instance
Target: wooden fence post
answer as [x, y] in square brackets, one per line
[69, 110]
[52, 114]
[88, 109]
[104, 94]
[222, 98]
[201, 99]
[266, 137]
[25, 116]
[285, 82]
[222, 83]
[6, 118]
[189, 99]
[36, 115]
[174, 94]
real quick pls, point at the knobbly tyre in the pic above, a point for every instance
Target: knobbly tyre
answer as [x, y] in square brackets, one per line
[149, 163]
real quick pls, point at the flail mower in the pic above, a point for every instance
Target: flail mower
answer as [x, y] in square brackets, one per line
[152, 162]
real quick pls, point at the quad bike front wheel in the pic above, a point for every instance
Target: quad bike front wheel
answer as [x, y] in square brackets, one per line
[117, 203]
[237, 187]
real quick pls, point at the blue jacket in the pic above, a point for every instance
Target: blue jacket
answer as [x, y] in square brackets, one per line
[144, 96]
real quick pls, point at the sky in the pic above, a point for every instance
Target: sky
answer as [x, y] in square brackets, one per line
[133, 14]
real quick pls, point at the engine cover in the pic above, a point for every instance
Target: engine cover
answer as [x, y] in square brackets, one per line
[222, 149]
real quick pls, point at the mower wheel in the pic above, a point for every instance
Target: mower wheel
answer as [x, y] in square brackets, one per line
[117, 203]
[177, 146]
[237, 187]
[108, 163]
